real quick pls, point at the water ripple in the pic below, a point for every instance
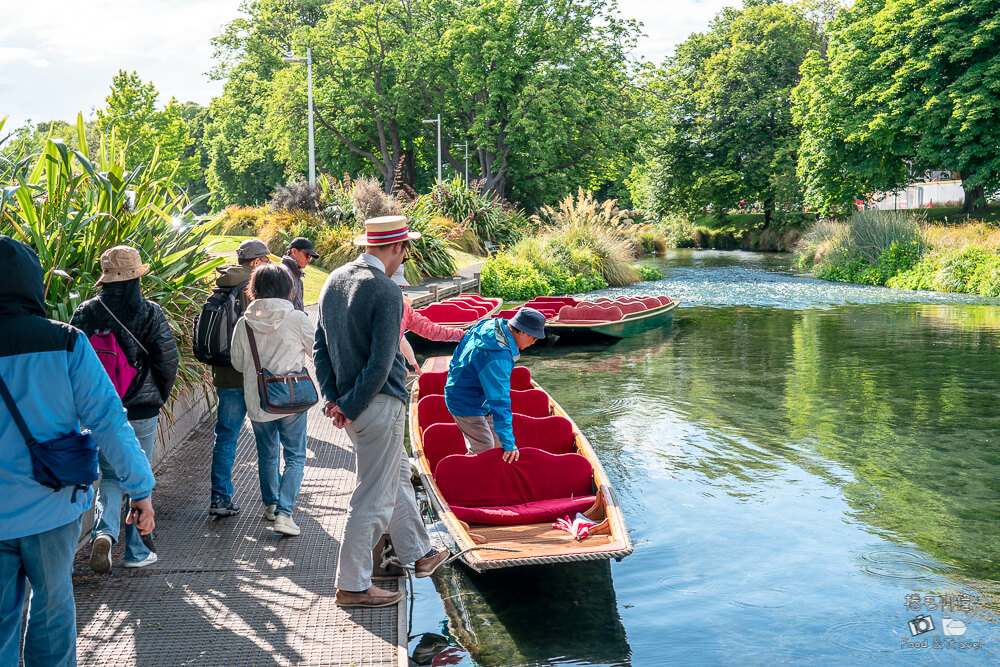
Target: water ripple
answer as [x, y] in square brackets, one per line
[900, 564]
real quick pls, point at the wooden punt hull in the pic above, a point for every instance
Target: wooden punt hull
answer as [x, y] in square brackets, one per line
[494, 547]
[630, 325]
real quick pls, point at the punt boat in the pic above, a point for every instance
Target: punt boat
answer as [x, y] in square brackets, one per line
[501, 515]
[603, 318]
[460, 312]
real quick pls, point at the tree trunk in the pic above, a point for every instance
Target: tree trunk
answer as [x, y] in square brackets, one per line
[974, 198]
[768, 212]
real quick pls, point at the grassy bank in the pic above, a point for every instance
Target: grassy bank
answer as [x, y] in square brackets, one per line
[906, 250]
[735, 231]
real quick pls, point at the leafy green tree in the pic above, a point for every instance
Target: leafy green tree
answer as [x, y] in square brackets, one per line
[721, 114]
[905, 87]
[133, 116]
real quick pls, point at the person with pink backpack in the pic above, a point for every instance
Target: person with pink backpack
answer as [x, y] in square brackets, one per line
[133, 340]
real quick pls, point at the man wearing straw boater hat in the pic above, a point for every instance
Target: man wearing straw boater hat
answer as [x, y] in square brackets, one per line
[362, 376]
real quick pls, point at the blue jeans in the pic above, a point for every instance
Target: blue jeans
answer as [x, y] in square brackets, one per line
[45, 561]
[108, 507]
[281, 490]
[232, 412]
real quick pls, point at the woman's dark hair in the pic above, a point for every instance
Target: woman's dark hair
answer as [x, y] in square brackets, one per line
[270, 282]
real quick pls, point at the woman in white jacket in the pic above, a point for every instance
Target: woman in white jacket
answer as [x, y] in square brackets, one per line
[284, 339]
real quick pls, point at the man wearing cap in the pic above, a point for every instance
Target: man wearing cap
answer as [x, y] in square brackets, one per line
[229, 384]
[300, 253]
[478, 389]
[362, 376]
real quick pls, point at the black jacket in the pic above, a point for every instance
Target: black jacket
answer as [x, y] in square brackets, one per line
[146, 321]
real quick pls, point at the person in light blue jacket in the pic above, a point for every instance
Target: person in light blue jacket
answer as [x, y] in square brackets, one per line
[58, 385]
[478, 389]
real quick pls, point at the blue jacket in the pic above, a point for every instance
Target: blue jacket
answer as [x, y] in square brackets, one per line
[479, 376]
[58, 384]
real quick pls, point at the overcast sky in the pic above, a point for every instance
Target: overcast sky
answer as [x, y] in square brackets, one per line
[57, 57]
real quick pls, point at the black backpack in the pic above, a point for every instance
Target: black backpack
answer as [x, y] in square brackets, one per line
[214, 325]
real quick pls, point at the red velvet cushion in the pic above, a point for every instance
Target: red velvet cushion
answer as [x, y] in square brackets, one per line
[441, 440]
[532, 402]
[480, 308]
[651, 302]
[432, 383]
[553, 434]
[629, 307]
[569, 314]
[450, 313]
[477, 299]
[664, 300]
[507, 314]
[432, 410]
[520, 378]
[560, 300]
[540, 511]
[486, 480]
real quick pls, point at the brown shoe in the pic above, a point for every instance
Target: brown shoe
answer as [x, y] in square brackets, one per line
[373, 597]
[425, 567]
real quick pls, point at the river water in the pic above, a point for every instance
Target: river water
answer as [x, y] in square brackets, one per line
[805, 469]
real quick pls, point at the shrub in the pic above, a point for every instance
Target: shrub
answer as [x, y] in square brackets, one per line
[70, 210]
[512, 278]
[371, 201]
[647, 272]
[242, 220]
[817, 242]
[298, 196]
[871, 233]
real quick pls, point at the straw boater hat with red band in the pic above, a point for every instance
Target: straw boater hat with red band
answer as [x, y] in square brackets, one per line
[386, 230]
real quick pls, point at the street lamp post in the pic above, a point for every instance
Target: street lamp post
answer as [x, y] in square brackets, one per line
[309, 85]
[438, 121]
[466, 147]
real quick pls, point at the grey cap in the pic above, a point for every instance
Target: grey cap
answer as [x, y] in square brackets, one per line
[252, 249]
[529, 321]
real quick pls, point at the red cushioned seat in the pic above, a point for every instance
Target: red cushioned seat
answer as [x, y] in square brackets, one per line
[540, 511]
[560, 300]
[664, 300]
[441, 440]
[629, 307]
[651, 302]
[507, 314]
[531, 402]
[553, 434]
[480, 308]
[433, 410]
[539, 487]
[431, 383]
[477, 299]
[570, 314]
[450, 313]
[520, 378]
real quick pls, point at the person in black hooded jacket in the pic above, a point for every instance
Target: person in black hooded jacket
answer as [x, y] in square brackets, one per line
[142, 331]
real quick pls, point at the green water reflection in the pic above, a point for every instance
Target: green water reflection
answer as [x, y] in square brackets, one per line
[793, 458]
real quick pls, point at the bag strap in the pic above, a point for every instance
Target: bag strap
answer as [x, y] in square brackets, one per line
[16, 414]
[253, 347]
[123, 326]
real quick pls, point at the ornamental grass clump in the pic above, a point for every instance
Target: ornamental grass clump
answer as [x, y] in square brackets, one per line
[871, 233]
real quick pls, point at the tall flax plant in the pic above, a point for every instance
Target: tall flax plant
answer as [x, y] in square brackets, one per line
[70, 209]
[872, 232]
[597, 230]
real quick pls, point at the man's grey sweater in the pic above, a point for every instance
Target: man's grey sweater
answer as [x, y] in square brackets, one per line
[357, 341]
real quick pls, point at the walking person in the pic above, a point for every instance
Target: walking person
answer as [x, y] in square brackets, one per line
[142, 332]
[300, 253]
[283, 338]
[54, 380]
[362, 376]
[232, 283]
[478, 389]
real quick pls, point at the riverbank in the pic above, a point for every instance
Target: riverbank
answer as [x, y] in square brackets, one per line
[906, 250]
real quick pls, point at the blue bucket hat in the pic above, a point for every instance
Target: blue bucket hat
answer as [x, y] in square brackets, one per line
[529, 321]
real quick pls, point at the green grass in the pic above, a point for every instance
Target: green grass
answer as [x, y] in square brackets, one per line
[464, 259]
[733, 222]
[224, 244]
[951, 214]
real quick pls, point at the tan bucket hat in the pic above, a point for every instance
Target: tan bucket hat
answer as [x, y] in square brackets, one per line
[121, 263]
[386, 230]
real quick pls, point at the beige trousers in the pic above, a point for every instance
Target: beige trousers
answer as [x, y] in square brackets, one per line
[383, 498]
[478, 431]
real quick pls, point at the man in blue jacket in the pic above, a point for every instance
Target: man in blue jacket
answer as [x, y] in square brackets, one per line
[478, 389]
[57, 384]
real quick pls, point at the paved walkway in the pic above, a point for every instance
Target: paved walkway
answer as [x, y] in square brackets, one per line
[230, 591]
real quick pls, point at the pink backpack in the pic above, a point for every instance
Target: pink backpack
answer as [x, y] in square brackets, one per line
[112, 356]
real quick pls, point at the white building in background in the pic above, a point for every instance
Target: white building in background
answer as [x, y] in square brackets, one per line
[939, 188]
